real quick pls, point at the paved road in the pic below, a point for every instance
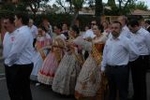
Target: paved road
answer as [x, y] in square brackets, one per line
[43, 92]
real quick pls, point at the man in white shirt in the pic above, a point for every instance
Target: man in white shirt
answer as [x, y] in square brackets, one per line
[141, 38]
[19, 60]
[34, 30]
[89, 35]
[8, 41]
[118, 51]
[125, 30]
[147, 25]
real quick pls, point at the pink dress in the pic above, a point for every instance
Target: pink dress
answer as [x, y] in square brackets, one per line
[50, 64]
[41, 42]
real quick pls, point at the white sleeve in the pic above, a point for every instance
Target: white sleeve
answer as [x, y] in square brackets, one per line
[17, 47]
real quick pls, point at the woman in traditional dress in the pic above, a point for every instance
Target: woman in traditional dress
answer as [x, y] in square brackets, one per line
[42, 40]
[66, 75]
[50, 64]
[88, 82]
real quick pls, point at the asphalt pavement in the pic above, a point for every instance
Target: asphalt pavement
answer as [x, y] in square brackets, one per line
[43, 92]
[40, 92]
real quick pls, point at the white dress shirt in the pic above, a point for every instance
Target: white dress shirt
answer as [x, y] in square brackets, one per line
[22, 48]
[118, 52]
[7, 43]
[126, 32]
[142, 40]
[34, 31]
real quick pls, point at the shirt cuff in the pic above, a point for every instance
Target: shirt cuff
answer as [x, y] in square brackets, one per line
[102, 68]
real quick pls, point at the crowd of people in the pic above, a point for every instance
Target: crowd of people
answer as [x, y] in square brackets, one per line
[92, 65]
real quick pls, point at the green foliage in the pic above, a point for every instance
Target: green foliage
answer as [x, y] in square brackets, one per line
[78, 4]
[140, 5]
[124, 7]
[62, 18]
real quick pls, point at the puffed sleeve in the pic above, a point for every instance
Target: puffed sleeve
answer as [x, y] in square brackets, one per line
[86, 45]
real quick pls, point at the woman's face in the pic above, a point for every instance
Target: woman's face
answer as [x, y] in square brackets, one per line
[72, 32]
[41, 32]
[57, 30]
[96, 31]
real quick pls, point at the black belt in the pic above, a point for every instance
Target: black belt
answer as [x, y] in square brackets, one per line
[117, 66]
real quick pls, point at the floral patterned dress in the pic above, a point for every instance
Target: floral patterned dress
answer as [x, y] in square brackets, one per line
[88, 82]
[66, 75]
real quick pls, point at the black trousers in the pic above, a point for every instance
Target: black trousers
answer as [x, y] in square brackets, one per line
[138, 72]
[18, 82]
[34, 41]
[118, 80]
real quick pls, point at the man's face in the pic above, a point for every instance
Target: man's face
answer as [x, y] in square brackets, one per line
[30, 23]
[116, 29]
[8, 26]
[132, 29]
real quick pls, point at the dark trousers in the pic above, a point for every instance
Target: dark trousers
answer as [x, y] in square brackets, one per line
[138, 72]
[86, 54]
[34, 41]
[118, 80]
[18, 82]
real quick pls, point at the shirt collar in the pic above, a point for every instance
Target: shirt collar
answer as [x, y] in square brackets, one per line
[139, 31]
[118, 38]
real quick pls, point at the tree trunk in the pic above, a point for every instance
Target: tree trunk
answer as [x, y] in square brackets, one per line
[99, 9]
[75, 17]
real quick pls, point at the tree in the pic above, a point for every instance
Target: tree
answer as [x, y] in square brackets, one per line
[62, 4]
[125, 6]
[111, 3]
[99, 8]
[141, 5]
[78, 4]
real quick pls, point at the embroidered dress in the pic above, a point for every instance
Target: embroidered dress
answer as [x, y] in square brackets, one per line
[51, 62]
[88, 82]
[66, 75]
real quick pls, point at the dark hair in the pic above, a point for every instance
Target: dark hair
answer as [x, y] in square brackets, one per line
[24, 17]
[147, 21]
[58, 26]
[11, 19]
[76, 29]
[117, 22]
[100, 27]
[133, 22]
[40, 26]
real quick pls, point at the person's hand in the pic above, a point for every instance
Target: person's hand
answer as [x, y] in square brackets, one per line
[88, 39]
[102, 72]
